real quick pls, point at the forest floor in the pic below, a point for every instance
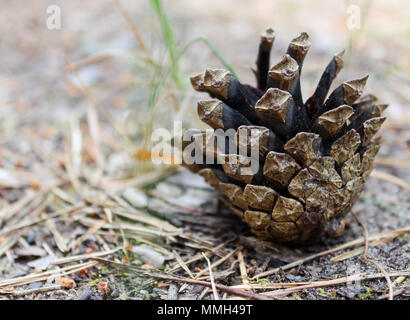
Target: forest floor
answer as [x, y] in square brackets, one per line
[84, 214]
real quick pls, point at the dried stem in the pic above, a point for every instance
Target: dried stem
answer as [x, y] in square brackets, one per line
[333, 282]
[229, 290]
[131, 23]
[216, 297]
[366, 246]
[387, 234]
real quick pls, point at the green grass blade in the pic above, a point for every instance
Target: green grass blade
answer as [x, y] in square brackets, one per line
[214, 50]
[159, 79]
[169, 38]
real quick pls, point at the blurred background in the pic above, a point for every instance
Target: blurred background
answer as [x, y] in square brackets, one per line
[89, 80]
[36, 83]
[120, 53]
[83, 83]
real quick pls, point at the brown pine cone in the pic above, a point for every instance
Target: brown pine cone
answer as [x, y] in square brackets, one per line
[313, 157]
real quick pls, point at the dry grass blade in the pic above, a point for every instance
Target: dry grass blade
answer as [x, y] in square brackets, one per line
[19, 293]
[366, 246]
[182, 264]
[139, 229]
[377, 236]
[399, 280]
[131, 24]
[175, 204]
[222, 288]
[142, 217]
[199, 256]
[355, 252]
[70, 210]
[58, 238]
[390, 178]
[347, 255]
[216, 263]
[203, 293]
[88, 94]
[396, 292]
[242, 268]
[216, 297]
[97, 226]
[108, 214]
[8, 243]
[139, 181]
[327, 283]
[89, 60]
[197, 239]
[277, 285]
[94, 128]
[229, 290]
[63, 195]
[283, 285]
[39, 203]
[393, 162]
[18, 205]
[84, 256]
[35, 277]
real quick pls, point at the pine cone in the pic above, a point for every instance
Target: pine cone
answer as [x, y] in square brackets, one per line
[314, 156]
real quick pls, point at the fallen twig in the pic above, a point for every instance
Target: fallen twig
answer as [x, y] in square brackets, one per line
[354, 252]
[199, 256]
[216, 297]
[131, 24]
[70, 210]
[242, 267]
[138, 181]
[333, 282]
[366, 246]
[230, 290]
[396, 292]
[216, 263]
[390, 178]
[19, 293]
[84, 256]
[182, 264]
[377, 236]
[392, 162]
[35, 277]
